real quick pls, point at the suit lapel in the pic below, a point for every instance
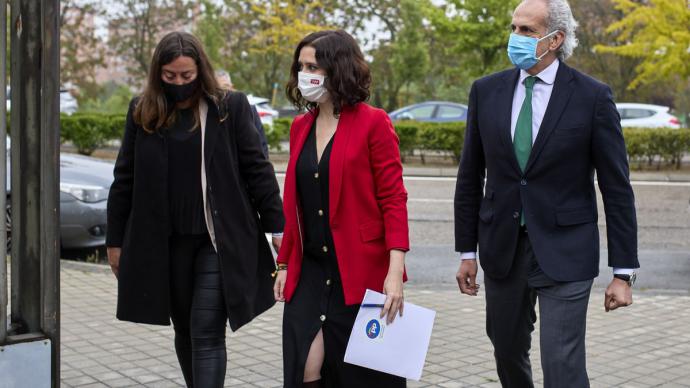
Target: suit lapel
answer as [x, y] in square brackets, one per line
[505, 93]
[562, 90]
[337, 161]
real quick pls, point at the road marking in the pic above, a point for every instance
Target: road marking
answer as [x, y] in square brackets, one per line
[634, 183]
[453, 179]
[430, 200]
[660, 183]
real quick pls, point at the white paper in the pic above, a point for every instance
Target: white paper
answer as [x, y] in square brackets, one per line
[399, 348]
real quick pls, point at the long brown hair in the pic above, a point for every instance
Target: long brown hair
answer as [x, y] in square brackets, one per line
[153, 110]
[347, 74]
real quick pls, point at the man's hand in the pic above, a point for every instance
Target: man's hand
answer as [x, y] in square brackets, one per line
[467, 277]
[114, 260]
[618, 294]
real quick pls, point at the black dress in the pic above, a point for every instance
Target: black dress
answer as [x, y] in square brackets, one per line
[184, 176]
[318, 301]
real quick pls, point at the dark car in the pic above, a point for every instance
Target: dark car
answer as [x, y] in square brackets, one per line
[431, 111]
[84, 186]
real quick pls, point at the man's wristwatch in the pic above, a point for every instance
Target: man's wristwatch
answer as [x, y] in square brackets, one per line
[630, 279]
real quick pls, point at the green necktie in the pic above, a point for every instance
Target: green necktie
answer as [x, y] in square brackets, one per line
[522, 140]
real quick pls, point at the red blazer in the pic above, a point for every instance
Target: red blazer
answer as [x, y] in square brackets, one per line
[368, 201]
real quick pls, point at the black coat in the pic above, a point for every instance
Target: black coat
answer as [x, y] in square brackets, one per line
[580, 134]
[244, 200]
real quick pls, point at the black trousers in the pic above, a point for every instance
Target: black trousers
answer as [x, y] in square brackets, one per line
[197, 310]
[510, 318]
[319, 303]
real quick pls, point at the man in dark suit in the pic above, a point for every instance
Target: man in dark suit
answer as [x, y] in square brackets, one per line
[225, 81]
[525, 195]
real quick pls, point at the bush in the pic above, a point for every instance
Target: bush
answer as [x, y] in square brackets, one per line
[86, 132]
[408, 133]
[663, 146]
[446, 137]
[277, 133]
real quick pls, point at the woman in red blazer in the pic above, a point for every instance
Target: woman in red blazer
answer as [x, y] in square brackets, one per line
[346, 215]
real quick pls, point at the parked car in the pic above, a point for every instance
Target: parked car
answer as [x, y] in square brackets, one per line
[263, 106]
[431, 111]
[84, 186]
[646, 116]
[68, 104]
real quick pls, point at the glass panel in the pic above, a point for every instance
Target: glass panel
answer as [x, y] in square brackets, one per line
[420, 112]
[450, 112]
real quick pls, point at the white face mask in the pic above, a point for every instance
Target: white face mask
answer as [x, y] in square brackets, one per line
[312, 87]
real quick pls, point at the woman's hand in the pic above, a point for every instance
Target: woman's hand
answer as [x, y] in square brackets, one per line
[114, 260]
[279, 285]
[393, 287]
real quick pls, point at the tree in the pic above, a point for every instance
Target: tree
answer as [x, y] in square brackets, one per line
[210, 31]
[475, 32]
[81, 50]
[618, 72]
[255, 39]
[469, 41]
[137, 28]
[656, 32]
[404, 61]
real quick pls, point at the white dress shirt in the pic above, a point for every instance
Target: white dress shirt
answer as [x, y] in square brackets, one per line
[541, 94]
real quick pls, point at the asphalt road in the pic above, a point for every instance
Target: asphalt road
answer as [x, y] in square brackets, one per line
[663, 212]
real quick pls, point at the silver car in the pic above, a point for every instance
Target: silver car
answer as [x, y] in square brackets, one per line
[84, 186]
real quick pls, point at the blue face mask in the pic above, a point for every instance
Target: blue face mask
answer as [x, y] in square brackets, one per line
[522, 50]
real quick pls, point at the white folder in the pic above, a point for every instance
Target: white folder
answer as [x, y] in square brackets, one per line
[399, 348]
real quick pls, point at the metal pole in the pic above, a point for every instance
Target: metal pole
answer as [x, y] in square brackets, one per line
[15, 183]
[50, 179]
[3, 171]
[26, 150]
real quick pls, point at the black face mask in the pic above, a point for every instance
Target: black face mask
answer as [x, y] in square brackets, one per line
[180, 93]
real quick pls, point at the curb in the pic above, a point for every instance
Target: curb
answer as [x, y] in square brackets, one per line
[452, 172]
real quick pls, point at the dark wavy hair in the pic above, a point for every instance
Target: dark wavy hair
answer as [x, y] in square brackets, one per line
[153, 111]
[347, 73]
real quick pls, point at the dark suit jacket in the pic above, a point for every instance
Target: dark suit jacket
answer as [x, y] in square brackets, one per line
[580, 134]
[241, 186]
[260, 127]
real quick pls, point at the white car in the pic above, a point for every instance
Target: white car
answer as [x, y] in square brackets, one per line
[266, 112]
[68, 104]
[646, 116]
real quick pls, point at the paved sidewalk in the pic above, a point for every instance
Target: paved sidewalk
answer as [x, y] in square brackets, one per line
[646, 345]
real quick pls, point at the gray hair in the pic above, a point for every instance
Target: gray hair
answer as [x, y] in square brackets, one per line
[223, 73]
[560, 18]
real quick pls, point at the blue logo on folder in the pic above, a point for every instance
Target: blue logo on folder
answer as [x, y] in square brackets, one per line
[373, 328]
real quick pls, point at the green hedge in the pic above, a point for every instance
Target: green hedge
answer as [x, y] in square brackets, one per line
[277, 133]
[646, 146]
[89, 132]
[660, 146]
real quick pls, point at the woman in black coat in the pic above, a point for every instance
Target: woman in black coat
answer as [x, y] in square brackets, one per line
[192, 198]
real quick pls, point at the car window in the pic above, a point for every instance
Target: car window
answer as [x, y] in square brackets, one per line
[420, 112]
[450, 112]
[636, 113]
